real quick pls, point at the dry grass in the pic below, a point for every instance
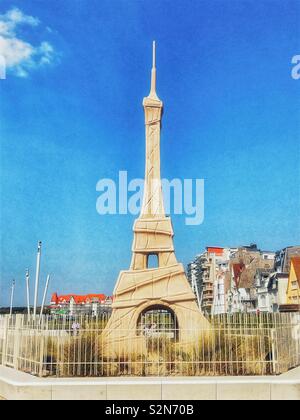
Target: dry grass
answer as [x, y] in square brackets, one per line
[212, 355]
[218, 354]
[76, 356]
[241, 349]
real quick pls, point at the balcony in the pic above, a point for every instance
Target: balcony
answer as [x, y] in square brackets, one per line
[208, 288]
[207, 301]
[206, 305]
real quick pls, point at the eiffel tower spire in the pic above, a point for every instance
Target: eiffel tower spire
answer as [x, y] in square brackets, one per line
[153, 94]
[153, 199]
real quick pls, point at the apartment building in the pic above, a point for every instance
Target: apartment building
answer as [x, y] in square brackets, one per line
[209, 274]
[293, 289]
[246, 279]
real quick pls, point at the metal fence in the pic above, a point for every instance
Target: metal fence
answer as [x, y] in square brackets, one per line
[265, 344]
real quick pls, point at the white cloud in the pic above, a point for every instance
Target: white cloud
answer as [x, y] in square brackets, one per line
[16, 16]
[21, 56]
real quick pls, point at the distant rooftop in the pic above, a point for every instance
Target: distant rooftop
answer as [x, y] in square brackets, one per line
[55, 299]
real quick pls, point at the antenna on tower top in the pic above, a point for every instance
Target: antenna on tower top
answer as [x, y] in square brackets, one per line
[154, 55]
[153, 73]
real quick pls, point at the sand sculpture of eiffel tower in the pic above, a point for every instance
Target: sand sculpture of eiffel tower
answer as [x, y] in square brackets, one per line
[141, 288]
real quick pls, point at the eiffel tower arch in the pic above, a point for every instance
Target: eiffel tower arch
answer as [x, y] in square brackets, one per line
[165, 286]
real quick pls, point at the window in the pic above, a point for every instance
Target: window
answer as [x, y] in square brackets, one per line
[152, 261]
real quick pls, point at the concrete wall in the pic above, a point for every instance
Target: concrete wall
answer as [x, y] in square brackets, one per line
[20, 386]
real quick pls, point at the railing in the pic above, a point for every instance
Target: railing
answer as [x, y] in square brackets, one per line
[208, 289]
[239, 344]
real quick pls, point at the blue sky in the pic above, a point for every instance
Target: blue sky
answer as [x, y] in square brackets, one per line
[71, 114]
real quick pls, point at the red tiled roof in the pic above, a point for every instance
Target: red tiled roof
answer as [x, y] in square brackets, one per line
[54, 298]
[215, 250]
[77, 298]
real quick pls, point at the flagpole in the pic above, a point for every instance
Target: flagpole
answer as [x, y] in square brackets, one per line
[12, 297]
[45, 295]
[37, 278]
[27, 291]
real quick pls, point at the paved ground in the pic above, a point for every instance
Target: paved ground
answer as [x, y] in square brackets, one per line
[18, 385]
[292, 374]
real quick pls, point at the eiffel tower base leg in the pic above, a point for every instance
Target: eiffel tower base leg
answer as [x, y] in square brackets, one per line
[138, 291]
